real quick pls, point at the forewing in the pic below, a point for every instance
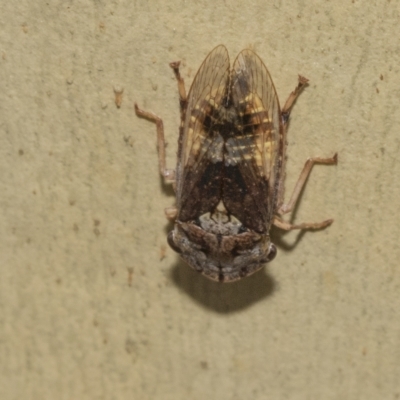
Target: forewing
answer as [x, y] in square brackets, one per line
[257, 146]
[197, 178]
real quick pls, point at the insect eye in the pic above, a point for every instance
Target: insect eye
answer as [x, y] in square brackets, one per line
[272, 253]
[242, 229]
[170, 239]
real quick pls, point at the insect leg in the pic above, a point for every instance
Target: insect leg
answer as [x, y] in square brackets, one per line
[168, 174]
[181, 85]
[285, 208]
[292, 98]
[287, 226]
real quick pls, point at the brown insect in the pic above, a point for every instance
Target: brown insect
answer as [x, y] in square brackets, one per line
[229, 178]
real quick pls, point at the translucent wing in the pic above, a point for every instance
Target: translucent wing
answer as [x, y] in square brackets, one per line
[196, 143]
[257, 147]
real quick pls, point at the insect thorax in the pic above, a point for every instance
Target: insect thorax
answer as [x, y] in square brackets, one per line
[220, 247]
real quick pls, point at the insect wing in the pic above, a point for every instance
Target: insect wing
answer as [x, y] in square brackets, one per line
[195, 145]
[258, 147]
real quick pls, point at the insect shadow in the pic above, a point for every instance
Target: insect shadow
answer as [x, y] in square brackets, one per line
[168, 190]
[223, 298]
[234, 296]
[220, 298]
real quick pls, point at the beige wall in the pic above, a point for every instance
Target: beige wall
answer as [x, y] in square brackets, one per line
[94, 305]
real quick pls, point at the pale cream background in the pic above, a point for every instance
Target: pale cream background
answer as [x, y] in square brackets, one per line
[90, 309]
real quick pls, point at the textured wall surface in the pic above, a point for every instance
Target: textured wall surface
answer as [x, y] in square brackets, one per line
[94, 305]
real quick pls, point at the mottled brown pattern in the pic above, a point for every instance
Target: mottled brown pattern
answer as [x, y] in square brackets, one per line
[229, 143]
[230, 169]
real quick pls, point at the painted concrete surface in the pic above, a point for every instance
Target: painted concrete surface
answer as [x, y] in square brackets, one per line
[95, 305]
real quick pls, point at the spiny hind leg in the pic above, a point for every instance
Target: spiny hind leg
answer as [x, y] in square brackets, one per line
[288, 207]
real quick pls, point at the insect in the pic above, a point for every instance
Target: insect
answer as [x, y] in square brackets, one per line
[229, 177]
